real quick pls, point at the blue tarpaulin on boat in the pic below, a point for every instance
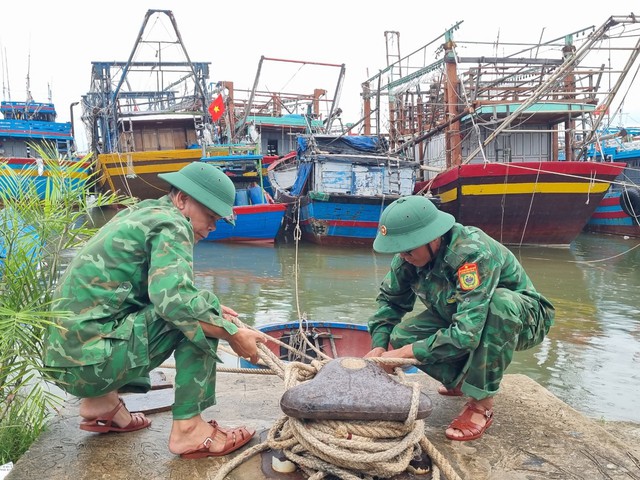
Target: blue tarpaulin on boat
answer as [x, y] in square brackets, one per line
[347, 144]
[361, 143]
[303, 144]
[301, 179]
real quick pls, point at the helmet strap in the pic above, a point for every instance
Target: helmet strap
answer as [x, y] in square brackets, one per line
[431, 252]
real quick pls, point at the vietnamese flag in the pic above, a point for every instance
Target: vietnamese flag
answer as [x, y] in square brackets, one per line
[216, 109]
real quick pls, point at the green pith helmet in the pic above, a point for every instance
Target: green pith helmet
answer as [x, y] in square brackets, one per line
[409, 223]
[206, 184]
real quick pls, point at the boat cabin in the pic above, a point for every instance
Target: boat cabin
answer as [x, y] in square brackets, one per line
[152, 134]
[27, 124]
[353, 165]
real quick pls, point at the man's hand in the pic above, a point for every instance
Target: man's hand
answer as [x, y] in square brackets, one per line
[379, 352]
[245, 343]
[403, 352]
[229, 313]
[376, 352]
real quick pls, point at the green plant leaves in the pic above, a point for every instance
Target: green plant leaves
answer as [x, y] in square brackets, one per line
[45, 213]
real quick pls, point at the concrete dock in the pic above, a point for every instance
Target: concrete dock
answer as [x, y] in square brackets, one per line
[534, 436]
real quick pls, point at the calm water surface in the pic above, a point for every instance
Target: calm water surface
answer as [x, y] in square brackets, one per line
[591, 358]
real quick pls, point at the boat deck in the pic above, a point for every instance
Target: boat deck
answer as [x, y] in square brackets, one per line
[534, 436]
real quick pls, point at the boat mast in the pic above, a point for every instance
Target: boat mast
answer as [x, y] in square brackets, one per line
[237, 131]
[111, 100]
[336, 98]
[453, 140]
[277, 98]
[6, 88]
[29, 98]
[570, 62]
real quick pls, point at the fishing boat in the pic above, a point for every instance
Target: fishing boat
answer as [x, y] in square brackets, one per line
[147, 115]
[257, 217]
[307, 340]
[487, 129]
[32, 145]
[158, 111]
[273, 118]
[338, 186]
[619, 211]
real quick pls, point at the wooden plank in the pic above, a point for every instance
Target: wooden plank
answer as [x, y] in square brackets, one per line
[154, 401]
[159, 380]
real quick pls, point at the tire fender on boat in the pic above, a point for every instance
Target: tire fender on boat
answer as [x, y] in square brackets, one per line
[630, 201]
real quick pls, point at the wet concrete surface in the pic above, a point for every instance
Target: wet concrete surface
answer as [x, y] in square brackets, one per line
[534, 436]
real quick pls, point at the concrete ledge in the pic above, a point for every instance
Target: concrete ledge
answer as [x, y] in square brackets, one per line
[534, 436]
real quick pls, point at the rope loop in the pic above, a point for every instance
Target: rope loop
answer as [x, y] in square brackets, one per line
[349, 450]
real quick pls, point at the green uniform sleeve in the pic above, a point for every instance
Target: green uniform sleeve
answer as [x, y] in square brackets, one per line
[171, 287]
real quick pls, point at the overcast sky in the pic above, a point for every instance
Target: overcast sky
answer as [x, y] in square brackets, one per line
[62, 38]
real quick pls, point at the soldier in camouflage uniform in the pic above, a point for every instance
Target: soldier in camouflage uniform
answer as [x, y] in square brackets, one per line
[134, 303]
[479, 306]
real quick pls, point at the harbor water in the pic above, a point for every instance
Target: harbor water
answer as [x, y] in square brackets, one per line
[590, 359]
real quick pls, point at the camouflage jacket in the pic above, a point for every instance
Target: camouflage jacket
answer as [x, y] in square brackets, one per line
[143, 257]
[457, 287]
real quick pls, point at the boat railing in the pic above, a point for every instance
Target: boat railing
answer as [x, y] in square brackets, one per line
[31, 128]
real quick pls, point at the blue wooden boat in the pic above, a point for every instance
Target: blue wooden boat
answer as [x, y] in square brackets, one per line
[618, 213]
[339, 186]
[254, 224]
[26, 130]
[257, 217]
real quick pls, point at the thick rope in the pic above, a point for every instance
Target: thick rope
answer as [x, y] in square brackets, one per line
[331, 447]
[349, 450]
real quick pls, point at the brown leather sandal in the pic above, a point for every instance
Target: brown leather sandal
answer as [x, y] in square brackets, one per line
[105, 424]
[469, 429]
[450, 392]
[236, 438]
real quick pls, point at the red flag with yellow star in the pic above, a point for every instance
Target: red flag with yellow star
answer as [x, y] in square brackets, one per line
[216, 109]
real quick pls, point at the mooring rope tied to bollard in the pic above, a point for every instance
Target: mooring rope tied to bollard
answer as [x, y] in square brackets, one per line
[349, 450]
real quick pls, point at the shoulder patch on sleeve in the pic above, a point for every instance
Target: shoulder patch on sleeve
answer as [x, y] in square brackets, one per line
[468, 276]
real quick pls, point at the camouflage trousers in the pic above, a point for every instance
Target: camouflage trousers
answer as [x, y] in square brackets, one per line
[195, 369]
[514, 322]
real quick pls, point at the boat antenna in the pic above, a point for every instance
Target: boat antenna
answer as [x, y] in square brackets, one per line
[539, 42]
[497, 43]
[6, 89]
[29, 97]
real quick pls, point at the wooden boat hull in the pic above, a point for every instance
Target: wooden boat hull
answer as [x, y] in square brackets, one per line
[75, 174]
[610, 218]
[254, 224]
[339, 186]
[136, 173]
[342, 220]
[525, 203]
[335, 339]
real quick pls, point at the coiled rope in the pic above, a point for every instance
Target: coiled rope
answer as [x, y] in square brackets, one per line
[349, 450]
